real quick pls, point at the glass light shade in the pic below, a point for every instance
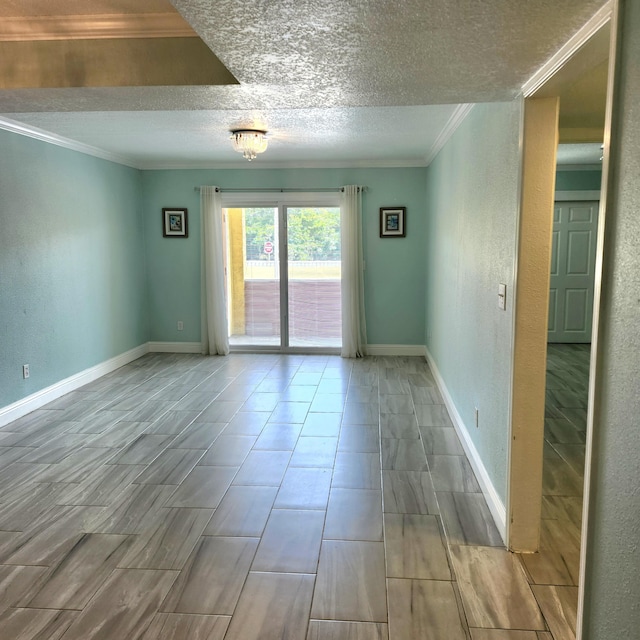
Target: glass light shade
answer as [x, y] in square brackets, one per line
[249, 142]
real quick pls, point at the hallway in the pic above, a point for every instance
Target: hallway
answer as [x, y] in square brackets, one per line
[256, 496]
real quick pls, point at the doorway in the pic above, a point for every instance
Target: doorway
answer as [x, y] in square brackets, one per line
[283, 275]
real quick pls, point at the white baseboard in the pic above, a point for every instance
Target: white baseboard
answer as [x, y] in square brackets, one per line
[395, 350]
[175, 347]
[495, 504]
[49, 394]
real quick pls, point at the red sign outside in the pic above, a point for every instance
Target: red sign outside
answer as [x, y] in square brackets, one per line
[268, 247]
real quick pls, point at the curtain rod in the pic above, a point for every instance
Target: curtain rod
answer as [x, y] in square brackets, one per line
[275, 190]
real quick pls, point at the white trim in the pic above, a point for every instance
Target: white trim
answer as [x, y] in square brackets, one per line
[495, 504]
[175, 347]
[51, 138]
[93, 27]
[456, 119]
[395, 350]
[553, 64]
[571, 196]
[49, 394]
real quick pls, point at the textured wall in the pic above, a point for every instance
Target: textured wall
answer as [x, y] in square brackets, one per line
[472, 207]
[612, 578]
[72, 272]
[394, 275]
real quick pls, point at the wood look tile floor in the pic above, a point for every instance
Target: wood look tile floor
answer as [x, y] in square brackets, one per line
[269, 497]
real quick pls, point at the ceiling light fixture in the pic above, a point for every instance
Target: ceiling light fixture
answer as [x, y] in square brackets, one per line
[249, 142]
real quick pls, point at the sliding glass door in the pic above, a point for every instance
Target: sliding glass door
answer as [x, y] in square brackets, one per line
[283, 276]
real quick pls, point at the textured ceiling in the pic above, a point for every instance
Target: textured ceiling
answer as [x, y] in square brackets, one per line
[304, 56]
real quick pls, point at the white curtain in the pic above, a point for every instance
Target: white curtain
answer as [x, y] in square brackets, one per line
[354, 331]
[215, 338]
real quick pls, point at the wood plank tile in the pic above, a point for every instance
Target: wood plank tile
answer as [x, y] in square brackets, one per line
[124, 607]
[102, 487]
[172, 466]
[494, 589]
[19, 514]
[335, 630]
[452, 473]
[408, 492]
[50, 539]
[203, 488]
[132, 513]
[433, 415]
[322, 424]
[396, 404]
[278, 437]
[402, 454]
[290, 412]
[119, 435]
[467, 519]
[502, 634]
[552, 567]
[265, 468]
[312, 451]
[212, 579]
[15, 582]
[243, 512]
[73, 581]
[559, 606]
[220, 411]
[354, 514]
[248, 424]
[350, 583]
[199, 435]
[176, 626]
[363, 413]
[143, 450]
[167, 542]
[415, 547]
[35, 624]
[172, 422]
[261, 401]
[304, 488]
[77, 466]
[359, 438]
[228, 451]
[357, 471]
[273, 605]
[290, 542]
[441, 441]
[423, 609]
[402, 426]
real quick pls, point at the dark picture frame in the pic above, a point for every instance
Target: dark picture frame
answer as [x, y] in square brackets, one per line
[393, 222]
[174, 223]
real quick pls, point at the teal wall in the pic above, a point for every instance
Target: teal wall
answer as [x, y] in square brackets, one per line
[72, 270]
[578, 180]
[394, 276]
[472, 209]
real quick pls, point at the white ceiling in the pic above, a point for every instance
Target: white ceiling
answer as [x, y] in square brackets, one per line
[336, 82]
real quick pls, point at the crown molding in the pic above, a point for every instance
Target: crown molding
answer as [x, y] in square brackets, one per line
[256, 165]
[551, 66]
[456, 119]
[92, 27]
[51, 138]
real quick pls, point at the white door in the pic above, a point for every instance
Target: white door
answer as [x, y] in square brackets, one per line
[573, 257]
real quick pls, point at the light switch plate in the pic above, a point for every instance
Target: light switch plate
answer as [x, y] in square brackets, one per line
[502, 296]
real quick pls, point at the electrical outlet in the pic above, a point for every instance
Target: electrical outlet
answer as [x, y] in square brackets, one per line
[476, 416]
[25, 371]
[180, 325]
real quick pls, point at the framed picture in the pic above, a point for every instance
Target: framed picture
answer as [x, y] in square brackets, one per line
[392, 222]
[174, 223]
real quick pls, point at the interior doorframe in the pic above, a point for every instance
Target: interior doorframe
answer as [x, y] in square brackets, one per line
[282, 199]
[609, 13]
